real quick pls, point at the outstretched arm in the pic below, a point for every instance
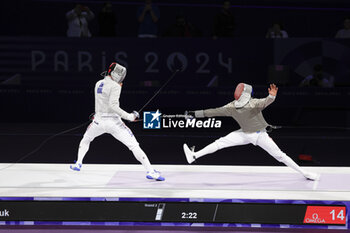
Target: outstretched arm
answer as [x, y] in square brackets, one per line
[263, 103]
[213, 112]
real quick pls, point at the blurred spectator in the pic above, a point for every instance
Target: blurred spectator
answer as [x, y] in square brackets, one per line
[78, 21]
[276, 32]
[182, 28]
[224, 22]
[345, 32]
[107, 21]
[148, 16]
[318, 78]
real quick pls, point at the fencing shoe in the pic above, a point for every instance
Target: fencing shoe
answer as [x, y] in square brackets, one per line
[189, 154]
[76, 167]
[155, 175]
[311, 176]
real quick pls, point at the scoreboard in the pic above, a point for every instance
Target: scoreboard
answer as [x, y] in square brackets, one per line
[186, 212]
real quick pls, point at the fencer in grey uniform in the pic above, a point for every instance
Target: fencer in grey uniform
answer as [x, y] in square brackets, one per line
[247, 111]
[108, 119]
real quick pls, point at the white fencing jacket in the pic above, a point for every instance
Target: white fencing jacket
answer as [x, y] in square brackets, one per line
[107, 93]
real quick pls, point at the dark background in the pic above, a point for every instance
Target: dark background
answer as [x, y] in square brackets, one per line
[301, 18]
[47, 79]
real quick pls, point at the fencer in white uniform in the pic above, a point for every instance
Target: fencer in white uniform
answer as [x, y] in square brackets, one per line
[108, 119]
[247, 112]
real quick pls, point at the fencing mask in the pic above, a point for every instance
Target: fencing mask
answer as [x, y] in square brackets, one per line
[117, 72]
[243, 93]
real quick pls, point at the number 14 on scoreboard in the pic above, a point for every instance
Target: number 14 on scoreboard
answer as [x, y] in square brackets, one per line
[325, 215]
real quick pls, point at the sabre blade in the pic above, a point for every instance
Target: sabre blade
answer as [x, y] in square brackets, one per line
[160, 89]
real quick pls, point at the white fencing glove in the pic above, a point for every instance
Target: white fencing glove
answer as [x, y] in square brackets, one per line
[189, 115]
[136, 114]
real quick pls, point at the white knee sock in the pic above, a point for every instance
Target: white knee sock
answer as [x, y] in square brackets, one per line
[290, 163]
[211, 148]
[270, 146]
[83, 149]
[142, 158]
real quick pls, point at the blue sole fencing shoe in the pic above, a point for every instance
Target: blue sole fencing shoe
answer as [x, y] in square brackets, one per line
[155, 175]
[76, 166]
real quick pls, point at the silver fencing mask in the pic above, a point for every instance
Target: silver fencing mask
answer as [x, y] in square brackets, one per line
[243, 93]
[117, 72]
